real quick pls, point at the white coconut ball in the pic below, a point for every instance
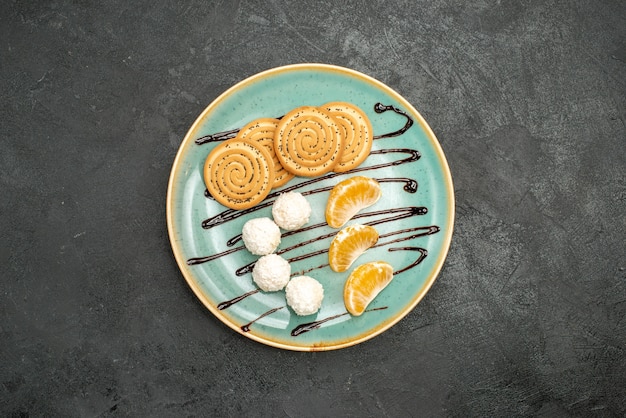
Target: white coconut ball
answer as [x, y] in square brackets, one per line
[261, 236]
[304, 295]
[291, 210]
[271, 272]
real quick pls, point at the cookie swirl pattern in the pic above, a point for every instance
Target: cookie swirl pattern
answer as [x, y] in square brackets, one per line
[308, 142]
[357, 133]
[239, 173]
[262, 131]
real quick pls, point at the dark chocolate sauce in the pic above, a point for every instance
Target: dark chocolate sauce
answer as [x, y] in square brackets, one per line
[378, 108]
[423, 254]
[334, 232]
[220, 136]
[423, 231]
[229, 303]
[310, 326]
[199, 260]
[246, 327]
[303, 272]
[410, 186]
[230, 214]
[406, 212]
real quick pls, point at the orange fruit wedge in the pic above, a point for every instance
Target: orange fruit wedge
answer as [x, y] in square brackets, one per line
[349, 244]
[364, 284]
[350, 196]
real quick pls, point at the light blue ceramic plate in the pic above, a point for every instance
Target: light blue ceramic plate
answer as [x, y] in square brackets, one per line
[414, 217]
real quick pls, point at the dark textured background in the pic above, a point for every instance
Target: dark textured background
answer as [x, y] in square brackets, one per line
[528, 99]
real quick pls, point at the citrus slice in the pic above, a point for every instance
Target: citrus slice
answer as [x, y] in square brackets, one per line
[350, 196]
[364, 284]
[349, 244]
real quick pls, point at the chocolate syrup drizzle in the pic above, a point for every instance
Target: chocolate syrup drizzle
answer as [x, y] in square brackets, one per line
[310, 326]
[378, 108]
[404, 212]
[246, 327]
[423, 253]
[397, 214]
[423, 231]
[410, 187]
[229, 303]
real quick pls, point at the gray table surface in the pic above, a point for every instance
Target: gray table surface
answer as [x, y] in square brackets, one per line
[527, 318]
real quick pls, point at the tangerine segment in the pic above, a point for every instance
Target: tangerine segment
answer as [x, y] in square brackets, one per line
[350, 196]
[307, 141]
[349, 244]
[238, 173]
[262, 130]
[357, 132]
[364, 284]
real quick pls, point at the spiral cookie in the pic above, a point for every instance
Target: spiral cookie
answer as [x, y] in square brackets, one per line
[239, 173]
[308, 142]
[262, 131]
[357, 133]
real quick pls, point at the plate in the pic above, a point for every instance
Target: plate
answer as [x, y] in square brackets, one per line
[414, 217]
